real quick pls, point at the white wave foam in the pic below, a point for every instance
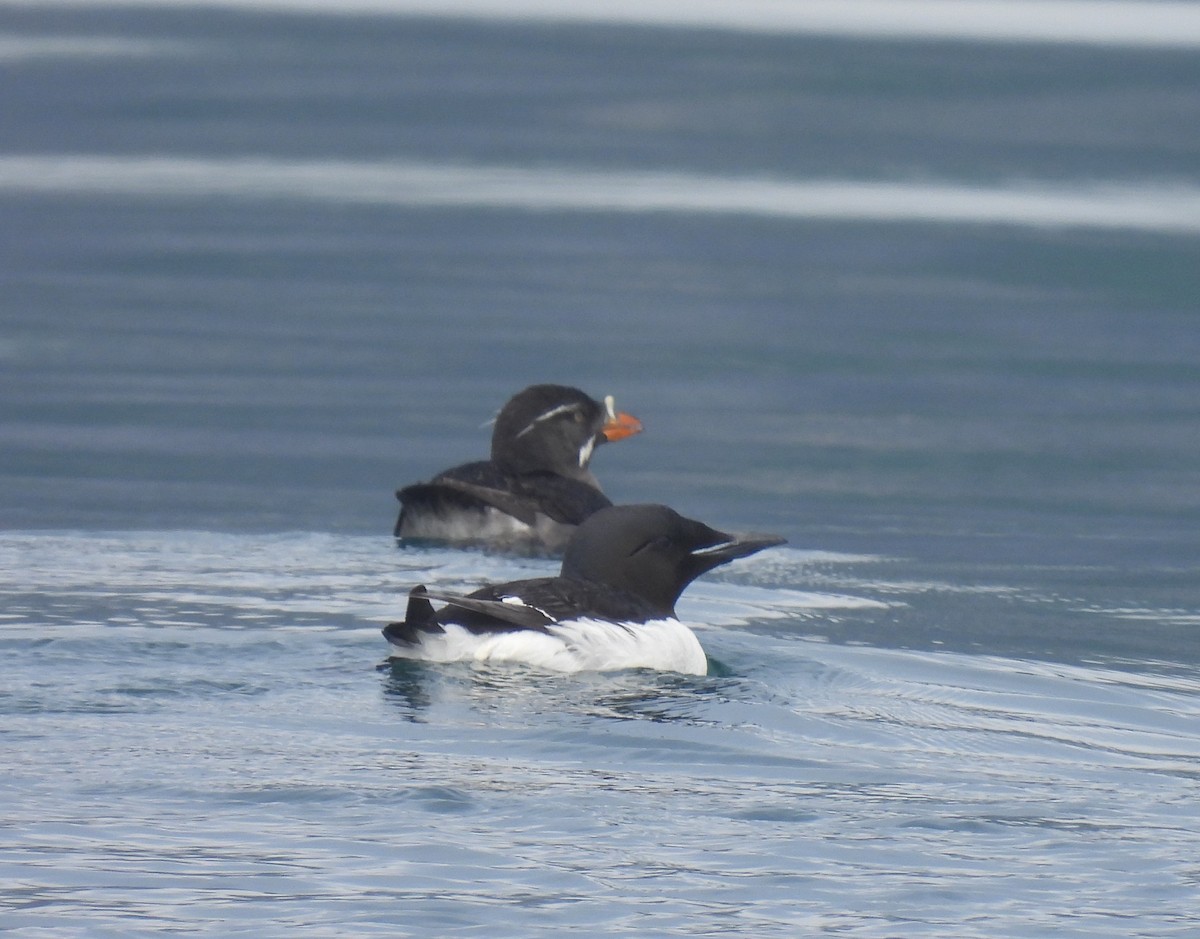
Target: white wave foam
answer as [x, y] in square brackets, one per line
[1149, 23]
[1161, 207]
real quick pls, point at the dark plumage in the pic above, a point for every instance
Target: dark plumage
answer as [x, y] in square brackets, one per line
[537, 486]
[624, 568]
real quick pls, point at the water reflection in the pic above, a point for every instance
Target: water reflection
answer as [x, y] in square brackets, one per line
[498, 689]
[404, 685]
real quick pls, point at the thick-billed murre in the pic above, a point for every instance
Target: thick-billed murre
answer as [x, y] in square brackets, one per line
[611, 606]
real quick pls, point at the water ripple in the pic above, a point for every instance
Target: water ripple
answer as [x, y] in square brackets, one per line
[202, 744]
[1169, 207]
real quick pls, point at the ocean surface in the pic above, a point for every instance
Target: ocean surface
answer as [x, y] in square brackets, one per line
[915, 285]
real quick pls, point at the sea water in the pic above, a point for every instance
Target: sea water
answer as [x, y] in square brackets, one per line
[920, 297]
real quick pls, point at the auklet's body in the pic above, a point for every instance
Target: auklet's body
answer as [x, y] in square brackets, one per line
[537, 486]
[611, 606]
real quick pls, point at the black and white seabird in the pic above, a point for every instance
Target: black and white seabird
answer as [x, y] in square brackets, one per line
[537, 486]
[611, 606]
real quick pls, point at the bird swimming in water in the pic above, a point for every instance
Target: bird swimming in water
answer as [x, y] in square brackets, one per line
[537, 486]
[611, 606]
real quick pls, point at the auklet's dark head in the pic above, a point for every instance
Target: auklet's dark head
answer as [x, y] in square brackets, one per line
[652, 552]
[554, 428]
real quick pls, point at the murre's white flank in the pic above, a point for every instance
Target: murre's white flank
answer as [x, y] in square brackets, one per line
[572, 646]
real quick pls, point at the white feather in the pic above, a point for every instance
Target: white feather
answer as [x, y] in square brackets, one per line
[585, 452]
[572, 646]
[711, 549]
[553, 412]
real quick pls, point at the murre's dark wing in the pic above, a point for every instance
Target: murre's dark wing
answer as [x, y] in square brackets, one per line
[497, 614]
[483, 612]
[563, 598]
[523, 604]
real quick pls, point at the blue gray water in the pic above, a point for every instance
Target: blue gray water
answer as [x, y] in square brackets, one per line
[927, 308]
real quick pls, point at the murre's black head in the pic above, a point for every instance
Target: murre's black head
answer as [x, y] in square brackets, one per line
[652, 552]
[553, 428]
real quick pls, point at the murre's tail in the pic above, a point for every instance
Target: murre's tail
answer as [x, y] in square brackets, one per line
[418, 618]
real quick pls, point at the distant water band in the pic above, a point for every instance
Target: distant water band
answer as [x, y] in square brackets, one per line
[1137, 23]
[1155, 206]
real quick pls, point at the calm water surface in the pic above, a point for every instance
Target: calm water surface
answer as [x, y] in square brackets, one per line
[926, 308]
[203, 736]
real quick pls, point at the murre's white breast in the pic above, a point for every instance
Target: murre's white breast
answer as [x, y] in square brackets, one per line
[572, 646]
